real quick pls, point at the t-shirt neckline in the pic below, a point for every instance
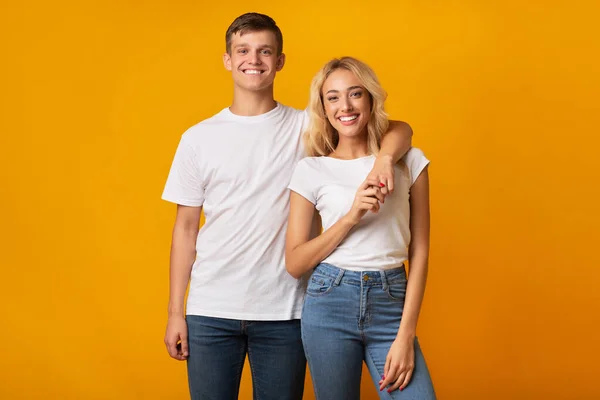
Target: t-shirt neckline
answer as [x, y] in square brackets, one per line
[253, 118]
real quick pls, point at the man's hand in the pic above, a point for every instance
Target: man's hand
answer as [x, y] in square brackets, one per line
[176, 338]
[383, 172]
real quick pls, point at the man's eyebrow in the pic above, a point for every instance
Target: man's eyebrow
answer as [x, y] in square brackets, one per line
[262, 46]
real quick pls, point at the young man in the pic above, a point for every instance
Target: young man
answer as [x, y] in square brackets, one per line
[237, 165]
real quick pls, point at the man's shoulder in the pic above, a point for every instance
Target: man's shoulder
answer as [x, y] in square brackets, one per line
[291, 111]
[290, 108]
[204, 127]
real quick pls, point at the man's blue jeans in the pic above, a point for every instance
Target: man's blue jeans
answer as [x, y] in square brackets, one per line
[218, 348]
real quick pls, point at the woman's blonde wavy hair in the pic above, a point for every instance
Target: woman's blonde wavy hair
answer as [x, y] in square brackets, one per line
[321, 138]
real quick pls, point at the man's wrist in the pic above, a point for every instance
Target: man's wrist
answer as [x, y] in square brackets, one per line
[386, 158]
[176, 312]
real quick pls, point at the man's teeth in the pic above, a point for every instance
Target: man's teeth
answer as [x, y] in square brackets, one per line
[253, 72]
[346, 119]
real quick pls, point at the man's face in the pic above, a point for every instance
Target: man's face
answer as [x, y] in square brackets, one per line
[253, 61]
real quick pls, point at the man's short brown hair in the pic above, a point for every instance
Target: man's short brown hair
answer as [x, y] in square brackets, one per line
[253, 22]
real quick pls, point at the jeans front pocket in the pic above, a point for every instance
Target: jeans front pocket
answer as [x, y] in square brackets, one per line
[396, 290]
[319, 284]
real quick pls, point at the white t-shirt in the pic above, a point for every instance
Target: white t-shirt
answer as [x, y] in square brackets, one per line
[238, 169]
[379, 241]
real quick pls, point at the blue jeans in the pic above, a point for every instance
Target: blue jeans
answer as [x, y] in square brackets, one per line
[218, 349]
[350, 317]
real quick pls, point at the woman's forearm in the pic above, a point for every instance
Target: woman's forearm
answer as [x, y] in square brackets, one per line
[415, 290]
[306, 256]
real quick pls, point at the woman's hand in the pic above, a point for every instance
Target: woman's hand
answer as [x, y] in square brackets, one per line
[367, 198]
[399, 364]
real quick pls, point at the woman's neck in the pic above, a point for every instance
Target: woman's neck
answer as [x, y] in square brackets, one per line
[351, 148]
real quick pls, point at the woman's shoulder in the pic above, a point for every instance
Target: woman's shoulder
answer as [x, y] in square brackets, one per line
[308, 166]
[413, 154]
[414, 162]
[313, 161]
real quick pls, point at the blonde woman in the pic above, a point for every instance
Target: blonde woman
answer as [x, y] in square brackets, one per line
[359, 304]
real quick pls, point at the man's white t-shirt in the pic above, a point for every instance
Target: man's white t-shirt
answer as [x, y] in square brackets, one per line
[238, 169]
[380, 240]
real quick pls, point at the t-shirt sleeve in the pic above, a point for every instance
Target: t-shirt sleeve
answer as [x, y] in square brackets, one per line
[416, 163]
[305, 118]
[185, 184]
[302, 183]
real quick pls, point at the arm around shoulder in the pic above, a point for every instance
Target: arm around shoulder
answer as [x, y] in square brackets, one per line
[394, 145]
[396, 141]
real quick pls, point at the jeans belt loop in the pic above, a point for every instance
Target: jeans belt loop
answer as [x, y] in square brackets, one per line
[384, 281]
[338, 279]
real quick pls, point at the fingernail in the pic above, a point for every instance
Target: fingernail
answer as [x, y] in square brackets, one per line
[381, 184]
[401, 389]
[389, 390]
[382, 377]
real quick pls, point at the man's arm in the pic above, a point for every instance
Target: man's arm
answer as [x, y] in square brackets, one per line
[183, 254]
[394, 145]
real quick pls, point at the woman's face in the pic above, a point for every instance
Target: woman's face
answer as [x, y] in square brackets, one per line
[347, 103]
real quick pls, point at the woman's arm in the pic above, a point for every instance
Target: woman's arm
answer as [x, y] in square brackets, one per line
[303, 253]
[400, 361]
[418, 255]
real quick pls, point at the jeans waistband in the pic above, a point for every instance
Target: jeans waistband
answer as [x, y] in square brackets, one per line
[369, 278]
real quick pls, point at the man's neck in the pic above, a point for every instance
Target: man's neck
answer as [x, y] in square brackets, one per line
[250, 104]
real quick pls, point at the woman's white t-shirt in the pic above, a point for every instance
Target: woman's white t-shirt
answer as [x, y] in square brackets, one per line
[380, 240]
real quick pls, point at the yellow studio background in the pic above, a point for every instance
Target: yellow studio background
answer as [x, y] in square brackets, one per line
[503, 98]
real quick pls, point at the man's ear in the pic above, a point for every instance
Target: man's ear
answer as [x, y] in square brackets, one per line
[280, 62]
[227, 61]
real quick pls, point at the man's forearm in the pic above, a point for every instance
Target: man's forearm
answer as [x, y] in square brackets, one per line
[183, 254]
[396, 141]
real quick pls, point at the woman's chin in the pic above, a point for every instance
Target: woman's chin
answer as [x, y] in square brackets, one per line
[352, 131]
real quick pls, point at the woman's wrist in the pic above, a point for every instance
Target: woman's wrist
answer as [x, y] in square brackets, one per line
[406, 333]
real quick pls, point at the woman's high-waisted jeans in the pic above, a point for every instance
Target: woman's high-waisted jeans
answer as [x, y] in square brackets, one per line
[353, 316]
